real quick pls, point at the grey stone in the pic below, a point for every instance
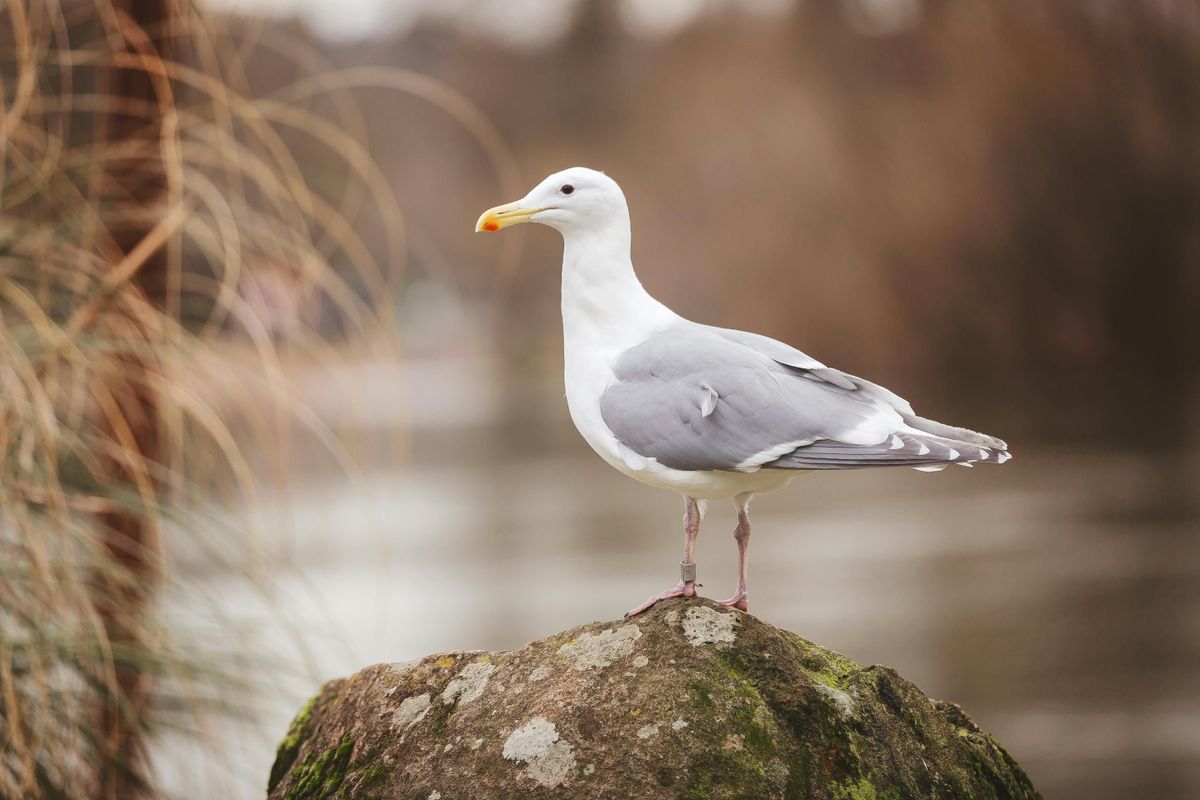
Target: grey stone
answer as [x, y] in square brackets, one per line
[722, 705]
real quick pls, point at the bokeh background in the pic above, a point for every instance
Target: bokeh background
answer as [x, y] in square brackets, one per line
[354, 445]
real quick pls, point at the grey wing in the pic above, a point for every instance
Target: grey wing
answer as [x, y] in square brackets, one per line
[789, 356]
[697, 401]
[696, 398]
[771, 348]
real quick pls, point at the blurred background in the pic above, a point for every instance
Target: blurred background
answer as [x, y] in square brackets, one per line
[270, 412]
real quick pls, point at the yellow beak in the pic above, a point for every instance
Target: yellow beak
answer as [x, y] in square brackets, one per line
[500, 217]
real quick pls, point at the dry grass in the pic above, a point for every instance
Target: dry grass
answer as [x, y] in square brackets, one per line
[151, 209]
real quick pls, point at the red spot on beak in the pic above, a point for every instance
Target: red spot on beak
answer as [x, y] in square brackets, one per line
[491, 226]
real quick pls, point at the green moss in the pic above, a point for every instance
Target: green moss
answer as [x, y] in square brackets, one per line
[727, 773]
[289, 748]
[321, 775]
[373, 775]
[824, 666]
[862, 789]
[739, 684]
[734, 765]
[759, 732]
[372, 771]
[701, 699]
[299, 723]
[749, 710]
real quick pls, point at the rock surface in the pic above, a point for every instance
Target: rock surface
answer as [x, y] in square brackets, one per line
[689, 700]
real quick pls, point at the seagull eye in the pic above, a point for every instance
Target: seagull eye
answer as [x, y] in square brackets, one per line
[567, 188]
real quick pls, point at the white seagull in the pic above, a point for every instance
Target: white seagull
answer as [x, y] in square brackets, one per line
[711, 413]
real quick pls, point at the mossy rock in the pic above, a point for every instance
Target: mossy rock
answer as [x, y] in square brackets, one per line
[689, 700]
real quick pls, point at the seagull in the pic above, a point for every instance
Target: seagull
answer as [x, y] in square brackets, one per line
[711, 413]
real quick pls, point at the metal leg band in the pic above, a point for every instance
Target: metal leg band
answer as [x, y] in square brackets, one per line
[687, 571]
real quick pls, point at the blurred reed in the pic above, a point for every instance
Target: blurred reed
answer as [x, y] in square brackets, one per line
[152, 210]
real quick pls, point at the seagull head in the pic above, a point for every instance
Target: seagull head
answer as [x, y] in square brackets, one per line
[574, 200]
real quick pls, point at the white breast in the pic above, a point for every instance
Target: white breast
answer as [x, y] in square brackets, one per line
[593, 339]
[601, 320]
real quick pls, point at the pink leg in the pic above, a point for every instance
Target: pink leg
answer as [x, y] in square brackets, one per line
[741, 597]
[686, 587]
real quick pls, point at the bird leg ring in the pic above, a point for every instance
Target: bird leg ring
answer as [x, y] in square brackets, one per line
[687, 567]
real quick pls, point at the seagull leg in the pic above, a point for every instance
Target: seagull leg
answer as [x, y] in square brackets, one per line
[687, 568]
[741, 597]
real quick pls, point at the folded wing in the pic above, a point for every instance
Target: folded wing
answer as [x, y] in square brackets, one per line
[694, 397]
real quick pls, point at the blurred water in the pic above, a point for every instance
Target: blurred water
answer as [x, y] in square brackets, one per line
[1056, 598]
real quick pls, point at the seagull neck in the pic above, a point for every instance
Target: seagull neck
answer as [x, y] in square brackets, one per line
[602, 299]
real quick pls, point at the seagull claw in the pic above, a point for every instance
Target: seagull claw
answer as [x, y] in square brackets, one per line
[681, 589]
[740, 601]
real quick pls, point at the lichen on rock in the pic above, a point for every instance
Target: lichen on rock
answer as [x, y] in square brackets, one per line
[596, 650]
[704, 625]
[646, 731]
[550, 760]
[693, 700]
[839, 698]
[411, 711]
[469, 684]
